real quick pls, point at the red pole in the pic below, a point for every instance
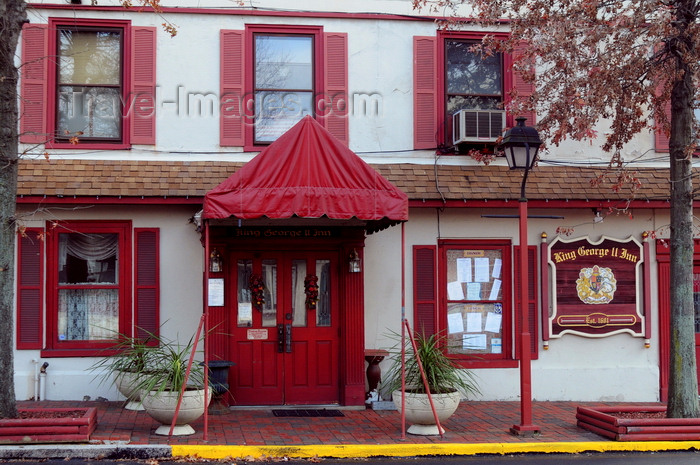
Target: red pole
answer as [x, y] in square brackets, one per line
[206, 328]
[422, 375]
[403, 331]
[525, 428]
[187, 376]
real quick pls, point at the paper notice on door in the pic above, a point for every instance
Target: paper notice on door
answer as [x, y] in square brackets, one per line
[455, 323]
[493, 322]
[216, 292]
[245, 313]
[496, 345]
[455, 291]
[474, 342]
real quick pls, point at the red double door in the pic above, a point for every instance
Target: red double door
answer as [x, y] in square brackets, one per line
[285, 349]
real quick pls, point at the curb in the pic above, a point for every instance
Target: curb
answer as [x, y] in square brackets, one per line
[412, 450]
[146, 451]
[86, 451]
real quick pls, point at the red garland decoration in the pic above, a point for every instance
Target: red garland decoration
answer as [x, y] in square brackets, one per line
[256, 291]
[311, 290]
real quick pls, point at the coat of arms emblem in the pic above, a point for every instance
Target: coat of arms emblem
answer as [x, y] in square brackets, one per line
[596, 285]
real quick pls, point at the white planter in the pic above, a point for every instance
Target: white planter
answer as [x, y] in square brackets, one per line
[161, 407]
[126, 383]
[419, 413]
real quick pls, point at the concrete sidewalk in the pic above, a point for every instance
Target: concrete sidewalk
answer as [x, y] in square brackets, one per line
[476, 428]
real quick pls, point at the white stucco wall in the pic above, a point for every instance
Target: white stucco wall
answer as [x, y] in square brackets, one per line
[180, 296]
[614, 368]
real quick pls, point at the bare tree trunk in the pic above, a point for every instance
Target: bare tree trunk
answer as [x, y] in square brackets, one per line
[12, 17]
[683, 381]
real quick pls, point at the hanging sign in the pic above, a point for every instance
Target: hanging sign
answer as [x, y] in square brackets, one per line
[596, 287]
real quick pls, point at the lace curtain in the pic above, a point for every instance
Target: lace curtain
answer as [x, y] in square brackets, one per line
[89, 314]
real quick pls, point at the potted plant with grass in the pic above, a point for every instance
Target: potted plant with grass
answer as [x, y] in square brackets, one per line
[126, 361]
[446, 380]
[163, 383]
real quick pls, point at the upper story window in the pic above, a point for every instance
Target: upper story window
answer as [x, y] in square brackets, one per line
[473, 81]
[274, 75]
[89, 88]
[461, 96]
[283, 83]
[90, 82]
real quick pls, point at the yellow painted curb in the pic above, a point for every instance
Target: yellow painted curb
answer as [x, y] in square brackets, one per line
[410, 450]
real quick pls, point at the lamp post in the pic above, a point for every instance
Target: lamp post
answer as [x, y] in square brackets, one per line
[520, 145]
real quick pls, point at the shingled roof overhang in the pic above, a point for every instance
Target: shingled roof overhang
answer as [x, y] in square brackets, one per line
[78, 181]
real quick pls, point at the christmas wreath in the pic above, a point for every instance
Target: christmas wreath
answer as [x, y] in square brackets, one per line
[256, 291]
[311, 290]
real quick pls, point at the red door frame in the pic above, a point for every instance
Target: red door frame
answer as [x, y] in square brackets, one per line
[663, 259]
[350, 292]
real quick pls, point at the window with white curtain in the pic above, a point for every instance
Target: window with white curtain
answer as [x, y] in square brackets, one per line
[88, 286]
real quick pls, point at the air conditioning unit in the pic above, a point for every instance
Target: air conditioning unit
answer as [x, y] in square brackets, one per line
[477, 126]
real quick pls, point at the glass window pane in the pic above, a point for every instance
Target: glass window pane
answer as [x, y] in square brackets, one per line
[89, 57]
[94, 111]
[283, 62]
[245, 307]
[323, 306]
[471, 73]
[475, 328]
[298, 293]
[88, 259]
[269, 275]
[279, 111]
[88, 314]
[474, 274]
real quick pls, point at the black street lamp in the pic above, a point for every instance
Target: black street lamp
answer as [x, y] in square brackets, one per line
[521, 144]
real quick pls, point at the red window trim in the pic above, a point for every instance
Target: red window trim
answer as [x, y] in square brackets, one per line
[54, 24]
[56, 348]
[505, 358]
[248, 87]
[443, 36]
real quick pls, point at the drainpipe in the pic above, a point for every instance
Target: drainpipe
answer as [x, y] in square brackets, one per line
[42, 381]
[36, 379]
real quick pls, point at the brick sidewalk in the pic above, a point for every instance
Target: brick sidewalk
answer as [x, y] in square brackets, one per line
[474, 422]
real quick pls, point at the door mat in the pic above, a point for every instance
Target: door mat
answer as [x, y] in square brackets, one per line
[302, 412]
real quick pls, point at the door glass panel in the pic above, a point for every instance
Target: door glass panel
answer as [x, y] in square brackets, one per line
[298, 293]
[269, 275]
[323, 306]
[245, 307]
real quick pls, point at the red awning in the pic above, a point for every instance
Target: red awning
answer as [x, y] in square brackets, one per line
[308, 173]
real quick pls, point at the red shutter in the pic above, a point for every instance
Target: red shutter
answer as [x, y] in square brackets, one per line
[424, 289]
[336, 82]
[147, 281]
[424, 93]
[143, 85]
[661, 136]
[533, 300]
[522, 87]
[33, 74]
[30, 282]
[232, 59]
